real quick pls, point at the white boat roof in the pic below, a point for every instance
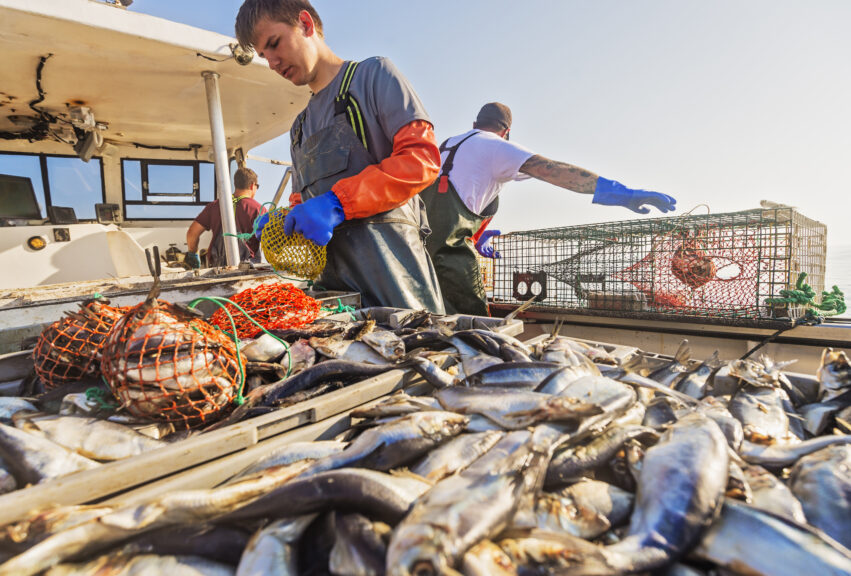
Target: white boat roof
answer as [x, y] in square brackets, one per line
[139, 74]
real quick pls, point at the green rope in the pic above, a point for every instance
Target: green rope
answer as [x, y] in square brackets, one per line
[220, 302]
[249, 235]
[832, 302]
[341, 308]
[98, 396]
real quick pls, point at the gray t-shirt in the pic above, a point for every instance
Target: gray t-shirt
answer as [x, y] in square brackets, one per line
[386, 98]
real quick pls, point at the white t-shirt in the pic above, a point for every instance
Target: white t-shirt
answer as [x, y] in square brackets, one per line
[483, 163]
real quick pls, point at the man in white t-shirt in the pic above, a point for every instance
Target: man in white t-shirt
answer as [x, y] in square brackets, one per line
[465, 196]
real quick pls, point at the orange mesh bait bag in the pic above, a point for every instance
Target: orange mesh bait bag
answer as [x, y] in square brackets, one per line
[293, 254]
[164, 363]
[273, 305]
[70, 348]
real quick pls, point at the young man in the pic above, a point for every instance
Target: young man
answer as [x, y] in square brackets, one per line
[245, 209]
[361, 151]
[466, 195]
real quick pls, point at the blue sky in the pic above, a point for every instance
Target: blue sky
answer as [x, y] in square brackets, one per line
[721, 103]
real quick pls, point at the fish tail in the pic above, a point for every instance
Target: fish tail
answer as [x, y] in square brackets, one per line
[683, 354]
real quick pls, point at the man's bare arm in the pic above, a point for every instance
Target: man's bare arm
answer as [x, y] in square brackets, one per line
[193, 235]
[560, 174]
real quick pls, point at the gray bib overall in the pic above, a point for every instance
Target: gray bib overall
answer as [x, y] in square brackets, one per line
[383, 257]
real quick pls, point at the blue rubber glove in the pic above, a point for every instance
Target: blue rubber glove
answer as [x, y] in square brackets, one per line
[260, 222]
[611, 193]
[193, 260]
[316, 218]
[483, 246]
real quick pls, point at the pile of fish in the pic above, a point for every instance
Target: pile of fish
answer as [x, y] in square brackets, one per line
[552, 458]
[79, 424]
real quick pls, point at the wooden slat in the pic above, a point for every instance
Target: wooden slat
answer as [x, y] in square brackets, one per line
[119, 476]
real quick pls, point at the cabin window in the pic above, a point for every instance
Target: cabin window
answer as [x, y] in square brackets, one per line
[75, 183]
[166, 190]
[59, 180]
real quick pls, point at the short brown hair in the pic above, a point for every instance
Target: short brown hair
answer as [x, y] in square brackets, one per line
[286, 11]
[244, 178]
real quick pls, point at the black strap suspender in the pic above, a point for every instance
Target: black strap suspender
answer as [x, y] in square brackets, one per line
[345, 103]
[443, 179]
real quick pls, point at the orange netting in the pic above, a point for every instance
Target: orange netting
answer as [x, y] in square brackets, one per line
[273, 305]
[70, 348]
[163, 363]
[716, 268]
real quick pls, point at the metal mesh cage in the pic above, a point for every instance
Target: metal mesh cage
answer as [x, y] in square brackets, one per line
[718, 268]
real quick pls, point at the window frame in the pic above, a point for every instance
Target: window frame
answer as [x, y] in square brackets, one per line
[144, 164]
[45, 177]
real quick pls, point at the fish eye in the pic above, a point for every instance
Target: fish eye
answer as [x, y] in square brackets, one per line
[423, 568]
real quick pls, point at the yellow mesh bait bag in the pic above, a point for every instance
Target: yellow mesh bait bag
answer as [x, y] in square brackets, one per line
[293, 254]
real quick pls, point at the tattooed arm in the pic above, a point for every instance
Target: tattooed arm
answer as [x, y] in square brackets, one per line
[561, 174]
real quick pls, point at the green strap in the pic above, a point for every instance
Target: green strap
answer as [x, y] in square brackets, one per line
[352, 108]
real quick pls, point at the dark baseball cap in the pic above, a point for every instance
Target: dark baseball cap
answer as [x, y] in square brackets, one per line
[494, 113]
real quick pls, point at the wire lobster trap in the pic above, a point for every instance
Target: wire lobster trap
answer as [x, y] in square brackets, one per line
[717, 268]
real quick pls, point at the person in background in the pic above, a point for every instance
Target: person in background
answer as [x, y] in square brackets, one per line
[465, 196]
[245, 209]
[361, 151]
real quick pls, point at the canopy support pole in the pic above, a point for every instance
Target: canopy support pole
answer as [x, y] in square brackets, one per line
[220, 151]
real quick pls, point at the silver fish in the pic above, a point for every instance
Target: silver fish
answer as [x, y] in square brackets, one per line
[264, 348]
[272, 550]
[822, 483]
[487, 559]
[383, 496]
[539, 552]
[290, 453]
[578, 461]
[299, 357]
[764, 414]
[514, 409]
[123, 523]
[122, 565]
[398, 404]
[777, 456]
[680, 487]
[386, 343]
[834, 374]
[395, 443]
[596, 354]
[695, 382]
[7, 479]
[352, 350]
[770, 494]
[10, 405]
[525, 375]
[747, 540]
[669, 374]
[585, 509]
[455, 455]
[91, 437]
[433, 374]
[34, 459]
[359, 548]
[459, 511]
[472, 360]
[559, 380]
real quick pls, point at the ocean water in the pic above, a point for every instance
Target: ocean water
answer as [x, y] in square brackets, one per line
[838, 271]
